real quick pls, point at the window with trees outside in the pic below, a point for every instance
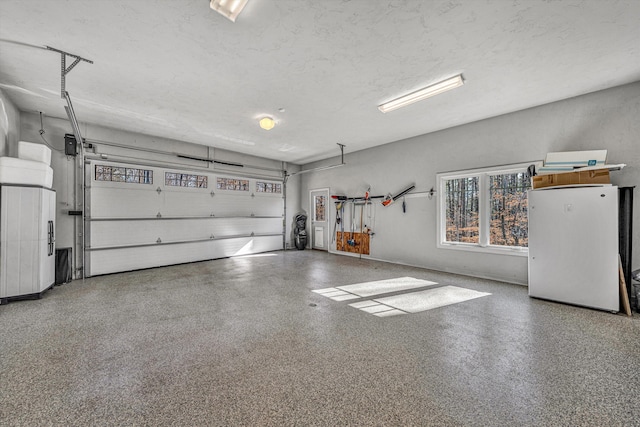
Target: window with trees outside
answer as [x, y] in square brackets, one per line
[484, 210]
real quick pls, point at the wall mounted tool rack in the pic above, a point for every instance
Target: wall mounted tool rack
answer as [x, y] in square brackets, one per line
[356, 242]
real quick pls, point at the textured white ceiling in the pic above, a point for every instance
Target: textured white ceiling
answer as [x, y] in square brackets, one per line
[177, 69]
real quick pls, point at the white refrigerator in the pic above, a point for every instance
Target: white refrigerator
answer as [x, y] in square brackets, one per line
[573, 246]
[27, 241]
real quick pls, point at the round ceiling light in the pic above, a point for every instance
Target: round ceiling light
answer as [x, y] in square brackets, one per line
[267, 123]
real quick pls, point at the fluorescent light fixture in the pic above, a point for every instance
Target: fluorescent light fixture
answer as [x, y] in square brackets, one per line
[421, 94]
[230, 9]
[267, 123]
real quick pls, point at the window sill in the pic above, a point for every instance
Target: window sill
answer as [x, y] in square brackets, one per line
[497, 250]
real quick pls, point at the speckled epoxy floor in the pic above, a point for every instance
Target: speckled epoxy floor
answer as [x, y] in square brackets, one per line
[244, 341]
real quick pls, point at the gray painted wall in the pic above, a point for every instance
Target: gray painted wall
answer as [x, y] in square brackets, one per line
[606, 119]
[9, 125]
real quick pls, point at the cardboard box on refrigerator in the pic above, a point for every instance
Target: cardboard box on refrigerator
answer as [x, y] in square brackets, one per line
[593, 176]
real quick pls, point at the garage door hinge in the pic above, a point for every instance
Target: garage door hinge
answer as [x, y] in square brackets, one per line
[159, 240]
[159, 190]
[212, 214]
[159, 215]
[213, 194]
[212, 237]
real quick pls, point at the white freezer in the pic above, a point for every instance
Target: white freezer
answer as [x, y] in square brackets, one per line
[27, 240]
[573, 246]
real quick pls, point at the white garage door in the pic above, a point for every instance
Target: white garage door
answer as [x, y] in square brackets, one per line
[140, 217]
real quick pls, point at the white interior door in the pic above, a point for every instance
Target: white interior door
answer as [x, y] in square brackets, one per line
[319, 219]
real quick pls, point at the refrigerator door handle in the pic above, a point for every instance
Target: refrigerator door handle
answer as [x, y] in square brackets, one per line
[51, 239]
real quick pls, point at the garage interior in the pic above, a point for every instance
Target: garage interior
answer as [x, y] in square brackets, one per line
[185, 146]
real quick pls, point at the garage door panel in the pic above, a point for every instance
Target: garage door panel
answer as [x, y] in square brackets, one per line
[269, 206]
[119, 233]
[124, 203]
[236, 226]
[116, 260]
[245, 205]
[233, 205]
[188, 202]
[123, 233]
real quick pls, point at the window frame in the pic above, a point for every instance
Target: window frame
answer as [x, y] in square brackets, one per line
[484, 209]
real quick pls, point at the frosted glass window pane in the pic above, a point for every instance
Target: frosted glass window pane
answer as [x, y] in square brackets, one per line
[320, 204]
[118, 174]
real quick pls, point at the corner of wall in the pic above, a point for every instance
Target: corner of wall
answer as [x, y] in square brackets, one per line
[9, 125]
[293, 202]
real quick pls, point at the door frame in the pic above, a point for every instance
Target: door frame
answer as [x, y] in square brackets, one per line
[312, 214]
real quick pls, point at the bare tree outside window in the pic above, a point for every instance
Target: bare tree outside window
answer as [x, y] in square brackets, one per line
[462, 209]
[509, 220]
[485, 209]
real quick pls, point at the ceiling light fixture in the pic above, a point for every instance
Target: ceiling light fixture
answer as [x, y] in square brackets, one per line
[421, 94]
[267, 123]
[230, 9]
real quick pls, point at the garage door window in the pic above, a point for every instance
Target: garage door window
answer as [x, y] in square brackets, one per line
[268, 187]
[185, 180]
[122, 174]
[232, 184]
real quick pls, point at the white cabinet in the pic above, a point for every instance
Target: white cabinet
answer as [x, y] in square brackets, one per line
[573, 246]
[27, 241]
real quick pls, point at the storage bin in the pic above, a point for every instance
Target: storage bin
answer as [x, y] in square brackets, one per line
[27, 172]
[35, 152]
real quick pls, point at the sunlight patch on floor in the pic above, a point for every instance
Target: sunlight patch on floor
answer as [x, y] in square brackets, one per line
[368, 289]
[403, 303]
[415, 302]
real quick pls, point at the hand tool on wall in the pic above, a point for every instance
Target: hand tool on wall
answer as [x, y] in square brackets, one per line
[342, 224]
[361, 228]
[351, 241]
[390, 199]
[357, 199]
[338, 219]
